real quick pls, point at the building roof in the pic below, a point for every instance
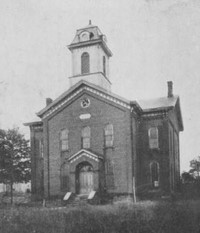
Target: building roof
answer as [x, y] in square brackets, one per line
[141, 106]
[157, 103]
[70, 93]
[163, 103]
[97, 34]
[84, 152]
[34, 123]
[95, 37]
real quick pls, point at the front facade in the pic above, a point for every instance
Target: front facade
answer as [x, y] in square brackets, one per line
[91, 139]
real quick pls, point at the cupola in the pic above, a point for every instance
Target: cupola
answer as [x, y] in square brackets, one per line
[90, 57]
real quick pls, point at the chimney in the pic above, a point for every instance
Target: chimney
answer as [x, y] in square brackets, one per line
[48, 101]
[170, 89]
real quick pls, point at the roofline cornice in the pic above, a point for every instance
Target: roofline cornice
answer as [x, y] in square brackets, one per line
[83, 86]
[154, 115]
[136, 107]
[34, 123]
[91, 42]
[87, 74]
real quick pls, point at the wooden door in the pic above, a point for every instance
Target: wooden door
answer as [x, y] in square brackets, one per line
[86, 183]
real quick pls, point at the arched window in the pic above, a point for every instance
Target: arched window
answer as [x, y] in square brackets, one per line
[154, 170]
[91, 35]
[153, 138]
[85, 135]
[64, 139]
[85, 63]
[104, 65]
[108, 134]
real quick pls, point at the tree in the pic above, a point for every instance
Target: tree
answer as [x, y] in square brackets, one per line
[187, 177]
[14, 158]
[195, 165]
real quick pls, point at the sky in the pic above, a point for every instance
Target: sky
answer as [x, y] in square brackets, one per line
[153, 41]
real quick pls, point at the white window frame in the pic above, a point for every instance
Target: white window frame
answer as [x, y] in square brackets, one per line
[85, 63]
[108, 133]
[86, 137]
[153, 142]
[64, 140]
[155, 183]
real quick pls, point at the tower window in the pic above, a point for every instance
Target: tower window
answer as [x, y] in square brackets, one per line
[108, 131]
[153, 138]
[86, 137]
[104, 65]
[154, 169]
[85, 63]
[91, 35]
[64, 139]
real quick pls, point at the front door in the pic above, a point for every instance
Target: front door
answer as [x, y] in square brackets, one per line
[86, 183]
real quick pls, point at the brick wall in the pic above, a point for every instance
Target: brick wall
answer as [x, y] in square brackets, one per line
[36, 162]
[130, 155]
[174, 151]
[102, 113]
[145, 155]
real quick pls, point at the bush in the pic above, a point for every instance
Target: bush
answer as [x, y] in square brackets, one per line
[143, 217]
[191, 190]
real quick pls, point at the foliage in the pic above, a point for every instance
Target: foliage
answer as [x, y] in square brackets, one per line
[14, 157]
[195, 165]
[151, 217]
[187, 177]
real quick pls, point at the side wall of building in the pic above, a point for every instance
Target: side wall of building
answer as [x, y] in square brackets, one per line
[174, 151]
[146, 156]
[36, 162]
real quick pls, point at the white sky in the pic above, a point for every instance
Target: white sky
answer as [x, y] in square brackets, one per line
[152, 41]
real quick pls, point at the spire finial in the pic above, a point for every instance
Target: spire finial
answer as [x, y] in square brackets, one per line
[90, 22]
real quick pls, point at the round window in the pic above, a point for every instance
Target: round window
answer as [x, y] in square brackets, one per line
[85, 103]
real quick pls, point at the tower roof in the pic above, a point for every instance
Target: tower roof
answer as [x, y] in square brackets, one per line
[94, 33]
[90, 35]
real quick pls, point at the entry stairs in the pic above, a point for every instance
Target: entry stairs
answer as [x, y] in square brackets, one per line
[81, 199]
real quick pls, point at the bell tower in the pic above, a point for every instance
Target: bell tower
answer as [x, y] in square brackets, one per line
[90, 57]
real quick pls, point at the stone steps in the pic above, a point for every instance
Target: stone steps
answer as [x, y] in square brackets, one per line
[79, 200]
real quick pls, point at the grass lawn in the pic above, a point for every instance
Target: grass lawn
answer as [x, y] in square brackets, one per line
[124, 217]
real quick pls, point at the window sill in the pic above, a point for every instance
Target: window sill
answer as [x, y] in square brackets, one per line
[65, 151]
[86, 148]
[109, 147]
[154, 149]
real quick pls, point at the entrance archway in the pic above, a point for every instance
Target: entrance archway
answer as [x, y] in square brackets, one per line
[85, 178]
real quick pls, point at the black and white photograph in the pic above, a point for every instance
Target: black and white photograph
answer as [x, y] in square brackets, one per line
[99, 116]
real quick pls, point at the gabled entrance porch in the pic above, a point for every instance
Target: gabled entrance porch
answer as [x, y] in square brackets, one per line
[86, 172]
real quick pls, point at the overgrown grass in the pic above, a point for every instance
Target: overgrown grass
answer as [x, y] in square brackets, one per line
[143, 217]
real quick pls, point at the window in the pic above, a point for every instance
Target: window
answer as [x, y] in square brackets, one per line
[91, 35]
[154, 169]
[109, 167]
[84, 36]
[85, 63]
[104, 65]
[110, 181]
[86, 137]
[153, 138]
[109, 135]
[64, 140]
